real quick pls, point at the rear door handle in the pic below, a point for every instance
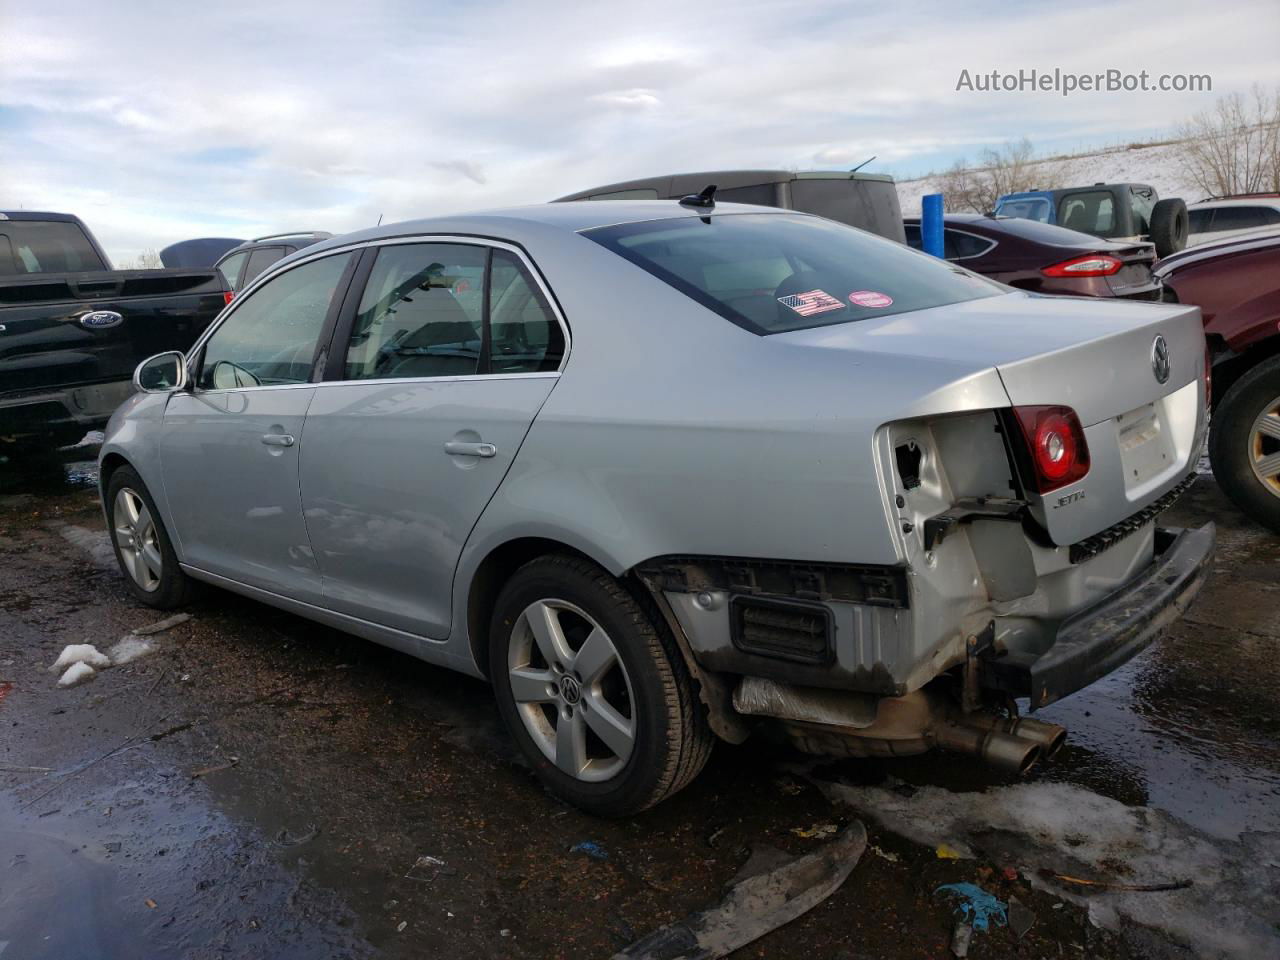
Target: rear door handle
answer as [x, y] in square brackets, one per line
[461, 448]
[278, 440]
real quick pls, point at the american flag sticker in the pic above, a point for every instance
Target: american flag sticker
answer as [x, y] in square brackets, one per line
[811, 303]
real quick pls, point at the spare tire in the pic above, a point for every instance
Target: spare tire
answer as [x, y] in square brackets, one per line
[1170, 225]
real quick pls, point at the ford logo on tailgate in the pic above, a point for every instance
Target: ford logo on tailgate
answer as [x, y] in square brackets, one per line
[101, 319]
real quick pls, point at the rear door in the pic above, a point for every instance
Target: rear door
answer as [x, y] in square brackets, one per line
[441, 362]
[229, 447]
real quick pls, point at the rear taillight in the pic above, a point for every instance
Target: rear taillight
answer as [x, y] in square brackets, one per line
[1090, 265]
[1055, 441]
[226, 297]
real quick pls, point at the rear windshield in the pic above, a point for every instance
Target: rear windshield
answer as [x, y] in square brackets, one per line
[771, 273]
[1041, 232]
[45, 246]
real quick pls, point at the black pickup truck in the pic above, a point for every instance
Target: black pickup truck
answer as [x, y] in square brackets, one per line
[72, 330]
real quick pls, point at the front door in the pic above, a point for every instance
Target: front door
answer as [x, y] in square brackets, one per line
[230, 448]
[452, 349]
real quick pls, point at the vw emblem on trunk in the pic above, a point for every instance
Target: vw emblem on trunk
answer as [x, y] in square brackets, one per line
[1160, 359]
[101, 319]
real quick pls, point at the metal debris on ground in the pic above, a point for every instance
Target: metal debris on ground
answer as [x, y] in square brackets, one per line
[205, 771]
[819, 831]
[168, 623]
[976, 905]
[1117, 886]
[757, 905]
[591, 849]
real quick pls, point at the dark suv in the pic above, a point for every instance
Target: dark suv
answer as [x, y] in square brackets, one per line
[241, 265]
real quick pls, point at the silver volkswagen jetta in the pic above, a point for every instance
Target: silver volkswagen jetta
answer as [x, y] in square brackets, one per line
[666, 472]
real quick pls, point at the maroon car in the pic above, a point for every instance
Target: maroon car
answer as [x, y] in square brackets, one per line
[1236, 284]
[1044, 258]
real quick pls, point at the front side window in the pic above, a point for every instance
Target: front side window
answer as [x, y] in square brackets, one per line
[270, 338]
[230, 269]
[770, 273]
[421, 313]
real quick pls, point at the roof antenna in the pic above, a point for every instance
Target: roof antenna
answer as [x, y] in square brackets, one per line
[707, 198]
[862, 164]
[379, 223]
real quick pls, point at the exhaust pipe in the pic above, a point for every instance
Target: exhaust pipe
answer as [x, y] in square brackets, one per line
[1004, 751]
[1050, 736]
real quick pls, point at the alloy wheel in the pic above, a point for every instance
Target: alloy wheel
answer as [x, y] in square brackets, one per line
[1264, 447]
[571, 690]
[137, 540]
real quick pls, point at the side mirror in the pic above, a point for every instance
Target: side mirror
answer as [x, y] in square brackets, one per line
[163, 373]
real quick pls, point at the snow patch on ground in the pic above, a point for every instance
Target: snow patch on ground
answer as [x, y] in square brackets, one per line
[79, 653]
[1232, 909]
[96, 543]
[76, 673]
[129, 649]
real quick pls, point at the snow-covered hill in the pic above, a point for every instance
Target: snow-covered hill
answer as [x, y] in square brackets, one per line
[1160, 166]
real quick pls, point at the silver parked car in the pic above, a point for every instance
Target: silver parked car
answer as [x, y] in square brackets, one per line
[672, 471]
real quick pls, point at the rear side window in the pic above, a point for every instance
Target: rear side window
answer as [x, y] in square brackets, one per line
[1199, 219]
[770, 273]
[955, 244]
[763, 194]
[420, 314]
[45, 246]
[1092, 212]
[259, 260]
[524, 335]
[1244, 218]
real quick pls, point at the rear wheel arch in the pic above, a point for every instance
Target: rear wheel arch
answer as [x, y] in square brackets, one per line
[492, 575]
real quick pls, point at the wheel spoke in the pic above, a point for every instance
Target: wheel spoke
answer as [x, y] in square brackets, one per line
[610, 726]
[1269, 425]
[151, 557]
[571, 743]
[1268, 466]
[545, 625]
[532, 686]
[594, 657]
[125, 504]
[143, 524]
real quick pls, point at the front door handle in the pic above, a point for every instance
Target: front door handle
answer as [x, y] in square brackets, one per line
[278, 440]
[461, 448]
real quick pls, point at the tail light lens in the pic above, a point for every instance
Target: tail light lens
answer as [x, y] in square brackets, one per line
[1056, 443]
[226, 297]
[1090, 265]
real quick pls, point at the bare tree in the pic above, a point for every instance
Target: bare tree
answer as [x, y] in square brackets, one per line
[1235, 146]
[1011, 168]
[148, 259]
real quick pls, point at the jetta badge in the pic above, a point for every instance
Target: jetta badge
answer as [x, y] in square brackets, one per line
[100, 319]
[1160, 359]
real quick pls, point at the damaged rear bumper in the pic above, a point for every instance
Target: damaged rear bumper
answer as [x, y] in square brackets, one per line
[1096, 641]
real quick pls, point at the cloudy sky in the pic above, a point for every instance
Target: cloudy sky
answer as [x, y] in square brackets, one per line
[159, 121]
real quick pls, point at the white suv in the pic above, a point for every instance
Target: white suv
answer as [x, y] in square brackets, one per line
[1233, 216]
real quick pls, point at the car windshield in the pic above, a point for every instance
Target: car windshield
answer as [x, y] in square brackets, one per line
[770, 273]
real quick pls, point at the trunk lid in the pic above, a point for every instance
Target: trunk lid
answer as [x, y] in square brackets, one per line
[1095, 356]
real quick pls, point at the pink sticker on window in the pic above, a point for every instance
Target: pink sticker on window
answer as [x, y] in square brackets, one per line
[870, 298]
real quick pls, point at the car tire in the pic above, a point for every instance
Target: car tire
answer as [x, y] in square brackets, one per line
[1170, 226]
[142, 544]
[1244, 445]
[593, 689]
